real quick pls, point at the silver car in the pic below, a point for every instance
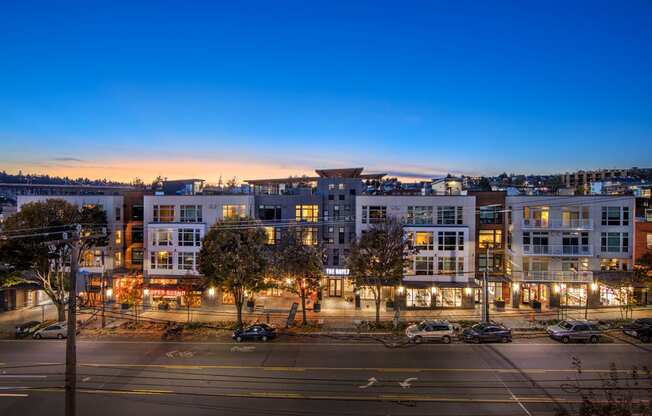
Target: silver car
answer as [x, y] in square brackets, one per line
[579, 330]
[58, 330]
[431, 330]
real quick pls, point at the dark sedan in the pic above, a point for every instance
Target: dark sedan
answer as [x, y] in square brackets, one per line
[487, 332]
[25, 329]
[262, 332]
[640, 328]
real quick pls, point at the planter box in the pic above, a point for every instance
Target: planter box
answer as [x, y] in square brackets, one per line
[499, 305]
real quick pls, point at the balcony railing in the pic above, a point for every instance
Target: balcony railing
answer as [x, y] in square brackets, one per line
[557, 250]
[578, 224]
[553, 277]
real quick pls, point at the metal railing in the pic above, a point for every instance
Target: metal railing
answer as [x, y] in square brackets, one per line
[554, 276]
[551, 224]
[557, 250]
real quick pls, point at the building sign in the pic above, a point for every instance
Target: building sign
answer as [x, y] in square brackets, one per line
[336, 271]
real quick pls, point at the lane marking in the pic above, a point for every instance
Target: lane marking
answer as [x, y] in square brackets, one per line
[13, 395]
[300, 396]
[21, 376]
[377, 369]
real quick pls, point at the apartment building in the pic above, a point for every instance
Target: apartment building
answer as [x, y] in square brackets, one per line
[443, 230]
[174, 228]
[583, 178]
[569, 250]
[491, 219]
[322, 207]
[98, 264]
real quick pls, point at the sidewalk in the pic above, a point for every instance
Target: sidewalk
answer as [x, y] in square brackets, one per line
[516, 318]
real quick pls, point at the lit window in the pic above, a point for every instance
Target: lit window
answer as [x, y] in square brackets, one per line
[234, 211]
[307, 213]
[163, 213]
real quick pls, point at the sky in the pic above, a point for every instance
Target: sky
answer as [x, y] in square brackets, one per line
[262, 89]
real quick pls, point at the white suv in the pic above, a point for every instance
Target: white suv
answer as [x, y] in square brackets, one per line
[431, 330]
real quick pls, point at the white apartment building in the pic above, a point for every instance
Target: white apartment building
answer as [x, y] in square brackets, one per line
[442, 228]
[175, 226]
[558, 248]
[97, 260]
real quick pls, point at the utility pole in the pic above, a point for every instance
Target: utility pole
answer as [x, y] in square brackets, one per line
[103, 301]
[71, 346]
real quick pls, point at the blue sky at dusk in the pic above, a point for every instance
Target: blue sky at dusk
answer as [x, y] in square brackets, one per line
[253, 89]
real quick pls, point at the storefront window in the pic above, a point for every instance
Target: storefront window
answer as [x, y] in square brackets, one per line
[449, 297]
[610, 296]
[574, 295]
[418, 298]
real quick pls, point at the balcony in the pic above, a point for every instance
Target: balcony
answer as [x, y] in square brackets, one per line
[581, 250]
[541, 224]
[553, 277]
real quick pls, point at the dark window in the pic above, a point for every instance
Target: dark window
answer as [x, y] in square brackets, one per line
[341, 197]
[269, 212]
[137, 234]
[136, 256]
[351, 191]
[137, 213]
[331, 197]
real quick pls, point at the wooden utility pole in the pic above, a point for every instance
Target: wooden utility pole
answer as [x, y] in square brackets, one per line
[71, 346]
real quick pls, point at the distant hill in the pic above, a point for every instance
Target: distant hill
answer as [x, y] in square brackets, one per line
[53, 180]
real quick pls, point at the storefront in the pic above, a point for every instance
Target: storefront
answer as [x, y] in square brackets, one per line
[531, 292]
[164, 293]
[422, 296]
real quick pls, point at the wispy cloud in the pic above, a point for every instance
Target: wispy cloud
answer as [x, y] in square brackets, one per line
[67, 159]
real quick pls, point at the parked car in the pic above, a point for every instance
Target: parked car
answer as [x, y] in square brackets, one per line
[640, 328]
[25, 329]
[58, 330]
[261, 332]
[576, 330]
[431, 330]
[490, 332]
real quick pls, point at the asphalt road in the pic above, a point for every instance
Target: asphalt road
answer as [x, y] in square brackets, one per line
[316, 378]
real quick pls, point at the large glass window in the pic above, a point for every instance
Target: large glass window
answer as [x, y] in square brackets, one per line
[536, 216]
[418, 298]
[137, 234]
[450, 265]
[162, 237]
[136, 256]
[491, 215]
[163, 213]
[161, 260]
[423, 240]
[490, 239]
[273, 235]
[449, 297]
[137, 213]
[495, 262]
[613, 264]
[614, 242]
[424, 265]
[269, 212]
[191, 213]
[373, 214]
[449, 215]
[307, 213]
[450, 240]
[420, 215]
[234, 211]
[307, 235]
[186, 261]
[189, 237]
[615, 215]
[535, 242]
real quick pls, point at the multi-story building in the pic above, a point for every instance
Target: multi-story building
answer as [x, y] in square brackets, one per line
[583, 178]
[569, 250]
[491, 217]
[174, 228]
[98, 264]
[322, 207]
[442, 229]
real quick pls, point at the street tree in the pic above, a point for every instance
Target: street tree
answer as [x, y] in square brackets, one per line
[298, 265]
[234, 257]
[33, 249]
[379, 257]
